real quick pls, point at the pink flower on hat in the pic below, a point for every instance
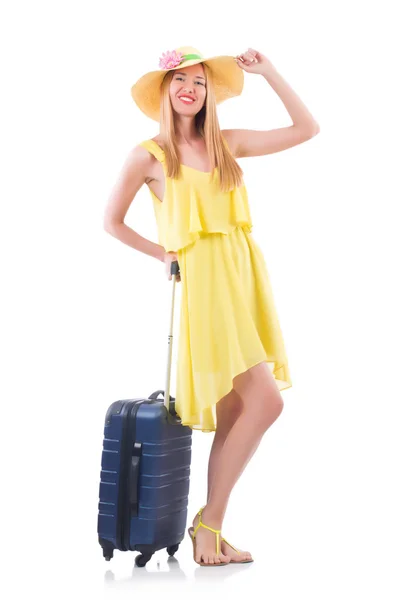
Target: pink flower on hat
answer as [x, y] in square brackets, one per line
[170, 59]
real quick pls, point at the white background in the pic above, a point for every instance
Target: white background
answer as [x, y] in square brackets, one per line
[85, 318]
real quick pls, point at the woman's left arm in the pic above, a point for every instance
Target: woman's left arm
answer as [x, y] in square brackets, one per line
[247, 142]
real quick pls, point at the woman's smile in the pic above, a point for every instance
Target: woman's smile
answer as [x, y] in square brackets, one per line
[186, 100]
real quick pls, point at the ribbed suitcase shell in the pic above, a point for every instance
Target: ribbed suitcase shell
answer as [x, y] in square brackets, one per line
[145, 476]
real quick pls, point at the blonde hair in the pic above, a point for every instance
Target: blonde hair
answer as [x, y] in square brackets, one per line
[207, 125]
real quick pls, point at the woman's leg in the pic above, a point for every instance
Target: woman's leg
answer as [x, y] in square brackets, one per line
[261, 404]
[228, 409]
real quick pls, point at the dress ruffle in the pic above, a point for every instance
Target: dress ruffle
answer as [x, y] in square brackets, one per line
[191, 206]
[188, 213]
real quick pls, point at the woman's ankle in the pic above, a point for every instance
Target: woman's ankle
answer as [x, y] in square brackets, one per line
[212, 516]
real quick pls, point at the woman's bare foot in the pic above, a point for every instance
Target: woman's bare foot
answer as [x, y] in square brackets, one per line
[206, 542]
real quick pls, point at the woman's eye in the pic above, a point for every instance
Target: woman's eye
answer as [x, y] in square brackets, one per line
[180, 79]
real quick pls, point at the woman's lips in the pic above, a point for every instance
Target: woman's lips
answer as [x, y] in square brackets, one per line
[186, 101]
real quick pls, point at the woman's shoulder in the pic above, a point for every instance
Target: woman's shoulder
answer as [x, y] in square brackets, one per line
[157, 140]
[154, 148]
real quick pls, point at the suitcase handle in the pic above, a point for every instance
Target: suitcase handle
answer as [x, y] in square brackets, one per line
[133, 478]
[172, 415]
[174, 273]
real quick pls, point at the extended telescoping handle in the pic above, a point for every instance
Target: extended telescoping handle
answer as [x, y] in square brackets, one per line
[174, 273]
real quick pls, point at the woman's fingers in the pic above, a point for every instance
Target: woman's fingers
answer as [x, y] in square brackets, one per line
[248, 57]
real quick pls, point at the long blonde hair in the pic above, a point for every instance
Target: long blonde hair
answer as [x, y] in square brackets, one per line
[207, 124]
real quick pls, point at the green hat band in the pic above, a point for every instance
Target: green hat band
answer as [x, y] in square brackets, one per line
[191, 56]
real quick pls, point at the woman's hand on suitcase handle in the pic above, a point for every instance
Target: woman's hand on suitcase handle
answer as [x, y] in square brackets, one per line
[170, 257]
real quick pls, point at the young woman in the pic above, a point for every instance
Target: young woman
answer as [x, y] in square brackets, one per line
[232, 363]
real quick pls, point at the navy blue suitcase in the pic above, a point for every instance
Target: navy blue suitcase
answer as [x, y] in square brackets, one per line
[145, 473]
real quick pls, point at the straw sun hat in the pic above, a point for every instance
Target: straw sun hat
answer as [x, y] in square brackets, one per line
[228, 78]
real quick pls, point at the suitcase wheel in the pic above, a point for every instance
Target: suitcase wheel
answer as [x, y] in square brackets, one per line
[142, 559]
[107, 548]
[172, 549]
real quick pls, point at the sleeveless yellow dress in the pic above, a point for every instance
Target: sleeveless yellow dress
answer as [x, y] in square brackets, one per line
[228, 319]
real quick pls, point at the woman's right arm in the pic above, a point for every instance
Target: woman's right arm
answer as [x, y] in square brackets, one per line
[133, 175]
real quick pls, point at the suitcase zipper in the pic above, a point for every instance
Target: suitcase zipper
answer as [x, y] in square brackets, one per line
[129, 434]
[122, 482]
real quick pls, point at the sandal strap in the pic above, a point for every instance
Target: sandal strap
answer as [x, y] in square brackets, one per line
[199, 514]
[210, 528]
[201, 524]
[216, 531]
[229, 544]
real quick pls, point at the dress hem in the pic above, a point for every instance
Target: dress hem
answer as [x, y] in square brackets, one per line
[288, 384]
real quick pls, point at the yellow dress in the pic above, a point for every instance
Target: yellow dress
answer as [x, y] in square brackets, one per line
[228, 319]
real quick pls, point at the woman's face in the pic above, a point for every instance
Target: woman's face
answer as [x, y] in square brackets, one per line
[188, 82]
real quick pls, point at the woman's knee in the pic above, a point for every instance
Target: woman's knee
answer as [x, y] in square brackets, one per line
[266, 409]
